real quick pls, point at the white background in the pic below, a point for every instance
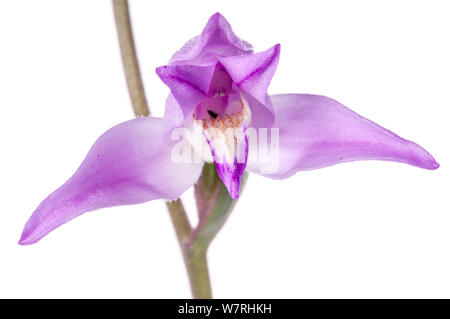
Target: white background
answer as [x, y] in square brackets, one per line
[364, 229]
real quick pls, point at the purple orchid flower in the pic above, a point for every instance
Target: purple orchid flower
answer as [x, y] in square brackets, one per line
[217, 81]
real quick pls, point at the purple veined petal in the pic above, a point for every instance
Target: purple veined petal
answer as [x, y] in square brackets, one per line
[216, 39]
[230, 170]
[316, 131]
[189, 84]
[231, 173]
[129, 164]
[226, 137]
[253, 72]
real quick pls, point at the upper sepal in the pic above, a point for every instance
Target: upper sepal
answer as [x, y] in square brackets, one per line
[217, 39]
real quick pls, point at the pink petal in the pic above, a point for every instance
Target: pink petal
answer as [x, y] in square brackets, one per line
[262, 114]
[316, 131]
[129, 164]
[189, 84]
[253, 73]
[216, 39]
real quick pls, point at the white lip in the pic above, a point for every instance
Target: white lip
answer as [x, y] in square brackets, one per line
[225, 134]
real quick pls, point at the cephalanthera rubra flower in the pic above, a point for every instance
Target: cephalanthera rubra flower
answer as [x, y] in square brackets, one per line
[217, 83]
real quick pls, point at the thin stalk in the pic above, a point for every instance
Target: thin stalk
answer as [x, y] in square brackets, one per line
[194, 255]
[129, 58]
[197, 266]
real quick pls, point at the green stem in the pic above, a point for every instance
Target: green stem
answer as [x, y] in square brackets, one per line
[129, 58]
[194, 255]
[197, 266]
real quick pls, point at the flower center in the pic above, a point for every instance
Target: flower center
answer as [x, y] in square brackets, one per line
[222, 98]
[222, 118]
[225, 133]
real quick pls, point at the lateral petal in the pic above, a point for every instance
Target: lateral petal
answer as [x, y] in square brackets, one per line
[129, 164]
[316, 131]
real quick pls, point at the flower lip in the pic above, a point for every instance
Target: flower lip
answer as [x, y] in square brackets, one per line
[226, 137]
